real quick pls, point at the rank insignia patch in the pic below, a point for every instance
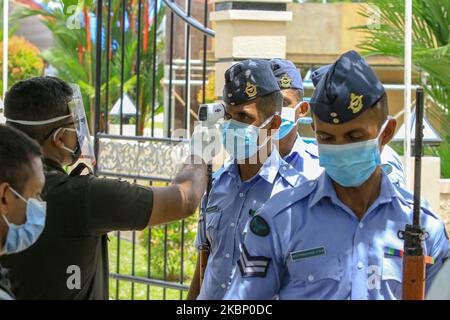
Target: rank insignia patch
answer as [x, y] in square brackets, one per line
[252, 266]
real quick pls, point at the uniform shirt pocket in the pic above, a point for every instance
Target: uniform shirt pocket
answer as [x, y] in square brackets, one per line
[317, 277]
[391, 277]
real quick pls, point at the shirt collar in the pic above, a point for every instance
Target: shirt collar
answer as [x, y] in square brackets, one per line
[325, 188]
[271, 166]
[305, 150]
[268, 171]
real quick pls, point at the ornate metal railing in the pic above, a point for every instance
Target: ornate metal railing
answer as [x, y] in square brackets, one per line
[147, 159]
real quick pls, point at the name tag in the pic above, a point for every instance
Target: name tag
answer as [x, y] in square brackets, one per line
[211, 209]
[304, 254]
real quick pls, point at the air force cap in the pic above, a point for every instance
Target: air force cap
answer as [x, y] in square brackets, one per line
[287, 75]
[346, 90]
[317, 74]
[248, 80]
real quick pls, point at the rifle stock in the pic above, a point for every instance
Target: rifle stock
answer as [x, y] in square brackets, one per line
[413, 278]
[204, 249]
[204, 255]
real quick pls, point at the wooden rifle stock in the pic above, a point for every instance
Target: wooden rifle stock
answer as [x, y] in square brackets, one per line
[205, 247]
[204, 255]
[413, 278]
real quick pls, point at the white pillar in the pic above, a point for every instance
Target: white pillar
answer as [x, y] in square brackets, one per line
[5, 45]
[407, 93]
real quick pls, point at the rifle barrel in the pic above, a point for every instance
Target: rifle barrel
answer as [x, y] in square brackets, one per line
[418, 141]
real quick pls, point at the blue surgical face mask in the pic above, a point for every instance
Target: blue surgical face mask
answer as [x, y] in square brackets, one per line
[21, 237]
[241, 139]
[288, 122]
[350, 165]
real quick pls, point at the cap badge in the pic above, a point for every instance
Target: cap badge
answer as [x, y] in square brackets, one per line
[356, 103]
[250, 90]
[285, 81]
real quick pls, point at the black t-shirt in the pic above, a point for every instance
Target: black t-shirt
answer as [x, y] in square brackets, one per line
[5, 285]
[70, 258]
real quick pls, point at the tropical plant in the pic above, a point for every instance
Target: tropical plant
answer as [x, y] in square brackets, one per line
[431, 40]
[23, 60]
[72, 25]
[166, 250]
[431, 53]
[13, 26]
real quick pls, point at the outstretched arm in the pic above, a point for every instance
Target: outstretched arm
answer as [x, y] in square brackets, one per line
[181, 199]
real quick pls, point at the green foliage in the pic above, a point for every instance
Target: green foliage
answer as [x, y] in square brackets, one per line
[172, 242]
[153, 264]
[74, 52]
[431, 54]
[431, 37]
[140, 270]
[12, 24]
[23, 60]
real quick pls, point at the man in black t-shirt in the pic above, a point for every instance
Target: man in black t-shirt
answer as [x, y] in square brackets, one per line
[70, 259]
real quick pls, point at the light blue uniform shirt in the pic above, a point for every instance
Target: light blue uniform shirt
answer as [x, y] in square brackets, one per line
[230, 205]
[318, 249]
[305, 158]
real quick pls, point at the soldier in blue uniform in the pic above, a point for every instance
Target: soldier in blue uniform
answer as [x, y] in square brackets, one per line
[391, 162]
[294, 150]
[335, 237]
[256, 172]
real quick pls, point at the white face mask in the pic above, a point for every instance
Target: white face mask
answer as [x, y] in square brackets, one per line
[288, 121]
[288, 113]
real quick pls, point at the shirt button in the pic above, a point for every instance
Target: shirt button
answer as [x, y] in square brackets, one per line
[284, 167]
[223, 285]
[232, 224]
[310, 278]
[241, 194]
[360, 265]
[227, 255]
[361, 225]
[311, 183]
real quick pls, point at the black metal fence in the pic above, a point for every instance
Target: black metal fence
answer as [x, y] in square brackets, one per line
[161, 78]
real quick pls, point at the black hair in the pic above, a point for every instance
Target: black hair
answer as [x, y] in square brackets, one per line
[270, 104]
[37, 99]
[17, 151]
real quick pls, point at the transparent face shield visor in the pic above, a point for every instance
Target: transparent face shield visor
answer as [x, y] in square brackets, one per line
[78, 113]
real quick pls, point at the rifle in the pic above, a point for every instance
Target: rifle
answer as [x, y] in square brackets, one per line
[414, 235]
[205, 247]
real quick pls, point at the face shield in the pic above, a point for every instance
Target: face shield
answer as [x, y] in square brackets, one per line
[78, 116]
[78, 113]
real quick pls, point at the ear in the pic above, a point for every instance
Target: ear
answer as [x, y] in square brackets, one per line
[302, 110]
[3, 198]
[389, 131]
[276, 122]
[57, 138]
